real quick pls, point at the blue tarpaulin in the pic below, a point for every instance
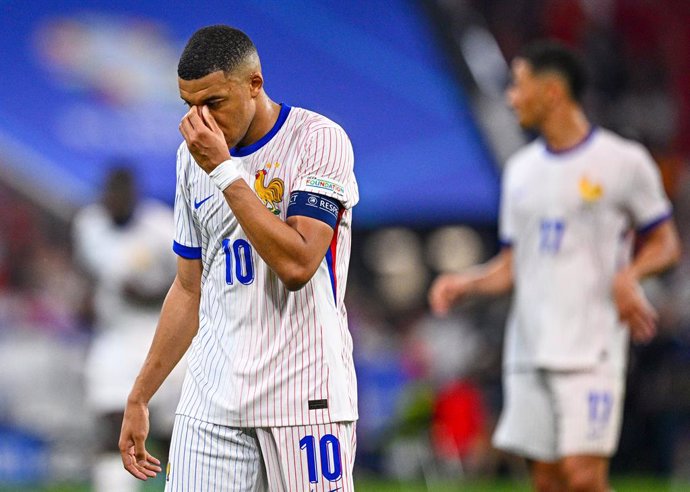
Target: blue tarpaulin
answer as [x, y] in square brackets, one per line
[84, 82]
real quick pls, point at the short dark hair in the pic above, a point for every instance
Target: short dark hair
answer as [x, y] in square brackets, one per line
[119, 174]
[554, 56]
[214, 48]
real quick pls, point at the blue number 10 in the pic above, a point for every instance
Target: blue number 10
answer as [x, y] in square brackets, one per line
[240, 254]
[329, 447]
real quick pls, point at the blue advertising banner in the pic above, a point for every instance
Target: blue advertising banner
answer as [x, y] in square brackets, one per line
[86, 82]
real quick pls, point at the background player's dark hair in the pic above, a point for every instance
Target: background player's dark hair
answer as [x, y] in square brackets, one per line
[553, 56]
[214, 48]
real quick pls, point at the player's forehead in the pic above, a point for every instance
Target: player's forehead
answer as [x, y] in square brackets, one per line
[215, 84]
[521, 69]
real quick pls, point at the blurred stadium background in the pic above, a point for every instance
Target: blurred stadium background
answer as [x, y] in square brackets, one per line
[418, 86]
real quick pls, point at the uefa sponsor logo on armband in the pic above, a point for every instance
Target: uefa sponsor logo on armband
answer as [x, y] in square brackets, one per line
[326, 184]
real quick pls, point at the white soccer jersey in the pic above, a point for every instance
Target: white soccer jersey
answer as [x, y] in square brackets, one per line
[265, 356]
[567, 216]
[136, 253]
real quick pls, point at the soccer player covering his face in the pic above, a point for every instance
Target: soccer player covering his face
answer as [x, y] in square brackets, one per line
[263, 219]
[570, 202]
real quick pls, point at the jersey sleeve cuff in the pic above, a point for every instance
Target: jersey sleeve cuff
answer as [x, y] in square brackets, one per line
[188, 252]
[505, 243]
[315, 206]
[654, 223]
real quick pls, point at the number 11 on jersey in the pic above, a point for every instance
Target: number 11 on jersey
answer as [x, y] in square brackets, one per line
[551, 235]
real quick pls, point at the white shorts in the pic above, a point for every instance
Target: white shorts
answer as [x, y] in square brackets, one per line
[548, 415]
[114, 360]
[210, 457]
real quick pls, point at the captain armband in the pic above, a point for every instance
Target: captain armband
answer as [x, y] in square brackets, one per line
[316, 206]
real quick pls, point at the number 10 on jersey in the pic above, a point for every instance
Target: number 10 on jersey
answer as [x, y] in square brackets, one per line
[238, 254]
[329, 454]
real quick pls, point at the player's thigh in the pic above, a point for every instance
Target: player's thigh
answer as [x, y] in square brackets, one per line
[527, 425]
[590, 408]
[209, 457]
[314, 458]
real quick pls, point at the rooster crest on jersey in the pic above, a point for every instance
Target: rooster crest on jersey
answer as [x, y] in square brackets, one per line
[589, 191]
[272, 194]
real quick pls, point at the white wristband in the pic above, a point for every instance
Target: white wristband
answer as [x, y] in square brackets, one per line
[225, 173]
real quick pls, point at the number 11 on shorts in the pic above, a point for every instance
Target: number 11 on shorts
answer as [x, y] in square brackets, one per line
[329, 456]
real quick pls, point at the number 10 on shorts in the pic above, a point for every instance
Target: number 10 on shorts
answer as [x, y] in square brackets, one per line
[329, 454]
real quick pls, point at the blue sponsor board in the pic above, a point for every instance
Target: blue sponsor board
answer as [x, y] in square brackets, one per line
[84, 83]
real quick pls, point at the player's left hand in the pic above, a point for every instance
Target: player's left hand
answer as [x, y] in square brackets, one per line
[634, 308]
[204, 138]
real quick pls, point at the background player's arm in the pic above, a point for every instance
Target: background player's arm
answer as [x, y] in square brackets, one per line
[492, 278]
[292, 249]
[179, 322]
[660, 250]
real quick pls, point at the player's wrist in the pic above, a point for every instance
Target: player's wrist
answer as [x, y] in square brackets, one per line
[226, 173]
[472, 284]
[628, 274]
[137, 399]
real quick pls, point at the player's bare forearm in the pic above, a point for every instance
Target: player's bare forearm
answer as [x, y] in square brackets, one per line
[179, 322]
[494, 277]
[660, 250]
[293, 249]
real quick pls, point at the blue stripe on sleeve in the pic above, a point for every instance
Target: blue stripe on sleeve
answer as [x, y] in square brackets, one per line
[649, 226]
[313, 205]
[187, 251]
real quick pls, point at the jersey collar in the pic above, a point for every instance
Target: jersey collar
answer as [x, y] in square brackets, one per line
[250, 149]
[575, 147]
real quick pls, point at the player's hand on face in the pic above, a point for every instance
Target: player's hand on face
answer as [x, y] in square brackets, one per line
[445, 291]
[634, 308]
[204, 138]
[135, 428]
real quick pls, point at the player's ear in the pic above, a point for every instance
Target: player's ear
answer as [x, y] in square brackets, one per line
[551, 89]
[256, 83]
[558, 88]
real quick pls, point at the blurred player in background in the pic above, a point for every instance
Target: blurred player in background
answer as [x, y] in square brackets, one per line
[570, 200]
[123, 245]
[263, 218]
